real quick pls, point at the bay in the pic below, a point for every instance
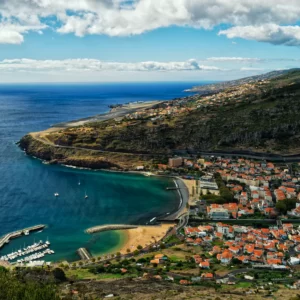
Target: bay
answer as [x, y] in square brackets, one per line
[27, 186]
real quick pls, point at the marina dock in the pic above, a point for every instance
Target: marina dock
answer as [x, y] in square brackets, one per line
[5, 239]
[109, 227]
[84, 254]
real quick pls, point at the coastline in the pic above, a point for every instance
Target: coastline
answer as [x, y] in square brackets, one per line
[111, 114]
[142, 236]
[129, 238]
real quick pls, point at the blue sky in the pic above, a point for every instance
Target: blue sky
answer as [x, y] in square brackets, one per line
[143, 40]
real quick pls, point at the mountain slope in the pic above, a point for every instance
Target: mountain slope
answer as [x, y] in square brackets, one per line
[261, 116]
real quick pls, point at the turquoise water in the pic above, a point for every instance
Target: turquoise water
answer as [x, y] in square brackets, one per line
[27, 186]
[113, 198]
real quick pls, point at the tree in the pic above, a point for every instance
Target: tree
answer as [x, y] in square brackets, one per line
[236, 261]
[128, 250]
[281, 207]
[13, 287]
[162, 246]
[59, 274]
[139, 247]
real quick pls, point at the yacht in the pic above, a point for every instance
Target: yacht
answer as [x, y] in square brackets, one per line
[56, 194]
[26, 232]
[86, 196]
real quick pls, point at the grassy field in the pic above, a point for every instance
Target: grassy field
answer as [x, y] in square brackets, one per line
[85, 274]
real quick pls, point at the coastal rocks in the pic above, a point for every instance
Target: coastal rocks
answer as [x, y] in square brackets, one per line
[81, 158]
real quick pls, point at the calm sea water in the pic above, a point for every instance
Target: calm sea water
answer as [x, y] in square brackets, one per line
[27, 186]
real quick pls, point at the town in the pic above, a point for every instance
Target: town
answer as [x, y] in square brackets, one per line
[242, 230]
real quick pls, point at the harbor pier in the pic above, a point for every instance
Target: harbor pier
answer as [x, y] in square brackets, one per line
[109, 227]
[6, 238]
[84, 254]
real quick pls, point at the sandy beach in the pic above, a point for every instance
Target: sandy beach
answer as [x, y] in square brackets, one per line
[193, 191]
[143, 235]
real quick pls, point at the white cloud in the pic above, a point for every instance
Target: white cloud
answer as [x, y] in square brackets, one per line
[12, 33]
[270, 33]
[234, 59]
[94, 65]
[125, 18]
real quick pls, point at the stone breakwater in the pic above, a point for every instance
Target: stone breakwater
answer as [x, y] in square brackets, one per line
[109, 227]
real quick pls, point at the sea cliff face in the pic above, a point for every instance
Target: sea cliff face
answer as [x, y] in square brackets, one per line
[79, 157]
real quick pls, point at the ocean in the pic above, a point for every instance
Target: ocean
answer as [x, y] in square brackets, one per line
[27, 186]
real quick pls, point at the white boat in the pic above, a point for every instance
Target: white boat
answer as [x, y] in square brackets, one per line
[56, 194]
[79, 183]
[86, 196]
[26, 232]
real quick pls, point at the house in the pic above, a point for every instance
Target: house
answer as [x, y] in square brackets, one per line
[189, 241]
[279, 195]
[274, 261]
[207, 276]
[258, 253]
[294, 261]
[191, 231]
[249, 248]
[204, 265]
[175, 162]
[216, 250]
[197, 241]
[161, 257]
[225, 257]
[218, 213]
[234, 249]
[244, 259]
[155, 261]
[185, 282]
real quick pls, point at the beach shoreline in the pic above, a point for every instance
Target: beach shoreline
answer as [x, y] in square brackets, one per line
[143, 236]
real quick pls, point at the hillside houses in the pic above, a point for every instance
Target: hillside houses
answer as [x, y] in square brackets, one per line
[252, 184]
[266, 246]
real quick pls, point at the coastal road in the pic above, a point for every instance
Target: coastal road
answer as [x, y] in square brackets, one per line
[184, 200]
[183, 221]
[37, 136]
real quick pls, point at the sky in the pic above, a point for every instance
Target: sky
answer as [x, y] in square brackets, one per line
[146, 40]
